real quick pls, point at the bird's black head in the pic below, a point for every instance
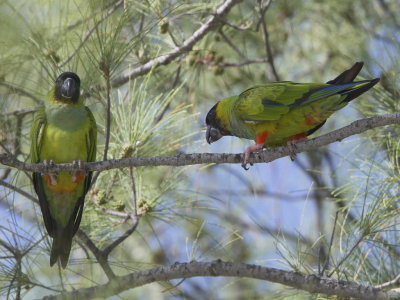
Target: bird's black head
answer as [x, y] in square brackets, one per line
[67, 87]
[215, 130]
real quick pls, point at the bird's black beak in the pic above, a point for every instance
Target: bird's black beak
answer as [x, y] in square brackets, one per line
[69, 88]
[212, 134]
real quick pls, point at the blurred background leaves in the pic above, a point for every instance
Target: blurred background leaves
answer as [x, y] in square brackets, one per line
[332, 212]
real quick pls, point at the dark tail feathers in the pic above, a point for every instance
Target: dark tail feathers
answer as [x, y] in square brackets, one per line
[61, 248]
[348, 75]
[355, 92]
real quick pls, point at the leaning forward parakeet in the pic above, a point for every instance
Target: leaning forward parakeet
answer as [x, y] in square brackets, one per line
[63, 131]
[279, 113]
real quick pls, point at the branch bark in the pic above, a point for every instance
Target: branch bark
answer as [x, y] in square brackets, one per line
[310, 283]
[186, 46]
[182, 159]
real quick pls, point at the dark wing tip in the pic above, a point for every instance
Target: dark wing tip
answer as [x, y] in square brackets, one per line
[348, 75]
[375, 81]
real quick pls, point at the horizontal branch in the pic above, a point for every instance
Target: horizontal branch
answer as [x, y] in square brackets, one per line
[186, 46]
[309, 283]
[207, 158]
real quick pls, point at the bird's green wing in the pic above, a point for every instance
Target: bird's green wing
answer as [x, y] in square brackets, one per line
[91, 142]
[37, 131]
[91, 138]
[271, 101]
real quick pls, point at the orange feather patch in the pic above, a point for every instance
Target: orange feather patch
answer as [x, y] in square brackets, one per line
[79, 177]
[310, 120]
[64, 182]
[299, 136]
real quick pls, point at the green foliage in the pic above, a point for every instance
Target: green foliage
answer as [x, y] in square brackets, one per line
[202, 212]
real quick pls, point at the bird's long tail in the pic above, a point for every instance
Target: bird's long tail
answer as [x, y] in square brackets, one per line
[348, 76]
[358, 89]
[61, 248]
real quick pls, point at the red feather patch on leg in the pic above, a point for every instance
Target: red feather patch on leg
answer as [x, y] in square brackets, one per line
[78, 176]
[260, 141]
[261, 138]
[297, 137]
[51, 179]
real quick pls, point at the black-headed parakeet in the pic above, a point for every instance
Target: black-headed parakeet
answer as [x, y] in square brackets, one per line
[63, 131]
[279, 113]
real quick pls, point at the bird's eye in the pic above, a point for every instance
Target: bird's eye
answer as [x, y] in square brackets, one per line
[214, 133]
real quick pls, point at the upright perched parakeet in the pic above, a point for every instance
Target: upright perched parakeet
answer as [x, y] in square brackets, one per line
[278, 113]
[63, 131]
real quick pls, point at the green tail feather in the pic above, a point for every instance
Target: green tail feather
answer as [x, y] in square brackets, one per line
[61, 248]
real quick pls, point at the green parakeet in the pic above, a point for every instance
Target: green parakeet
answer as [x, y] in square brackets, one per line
[279, 113]
[63, 131]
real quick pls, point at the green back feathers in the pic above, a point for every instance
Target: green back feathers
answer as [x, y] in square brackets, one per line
[284, 110]
[269, 102]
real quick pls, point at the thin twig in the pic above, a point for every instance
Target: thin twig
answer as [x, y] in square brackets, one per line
[114, 213]
[108, 117]
[231, 44]
[243, 63]
[134, 193]
[79, 22]
[19, 191]
[225, 22]
[326, 265]
[21, 91]
[107, 250]
[18, 112]
[390, 283]
[268, 49]
[350, 252]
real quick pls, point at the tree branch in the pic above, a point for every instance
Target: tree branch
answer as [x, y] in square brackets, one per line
[19, 191]
[101, 258]
[182, 159]
[186, 46]
[310, 283]
[20, 91]
[107, 250]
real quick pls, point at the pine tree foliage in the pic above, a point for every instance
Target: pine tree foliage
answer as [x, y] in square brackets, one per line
[333, 213]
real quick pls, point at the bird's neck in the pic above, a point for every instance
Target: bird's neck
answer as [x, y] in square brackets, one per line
[225, 112]
[52, 100]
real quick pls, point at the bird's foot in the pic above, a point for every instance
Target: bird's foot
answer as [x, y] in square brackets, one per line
[246, 154]
[78, 175]
[50, 177]
[292, 149]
